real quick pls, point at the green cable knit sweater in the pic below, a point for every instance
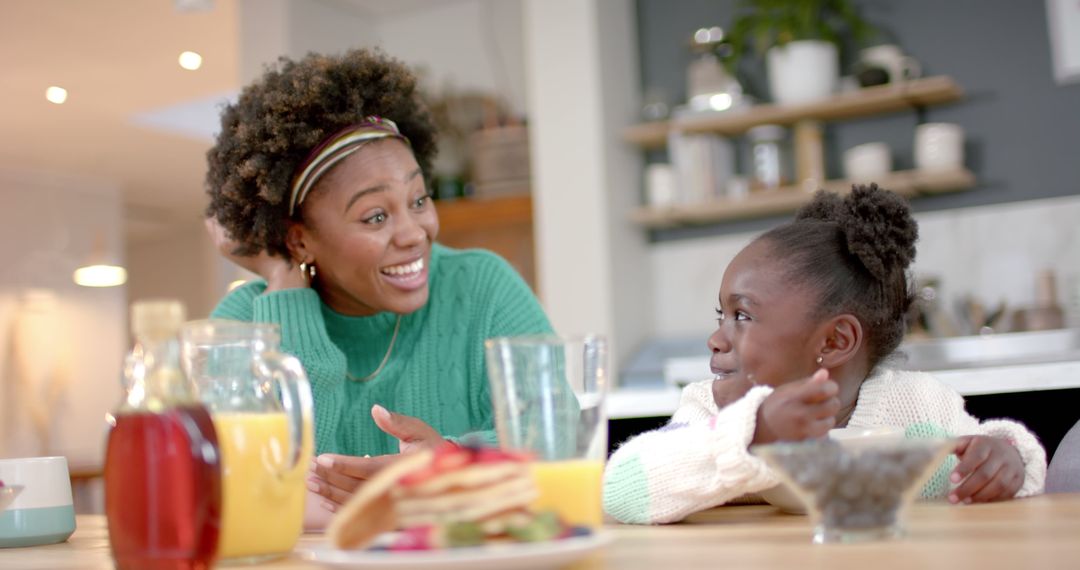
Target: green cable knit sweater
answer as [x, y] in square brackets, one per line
[436, 371]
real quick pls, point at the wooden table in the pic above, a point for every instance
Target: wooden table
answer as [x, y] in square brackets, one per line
[1039, 533]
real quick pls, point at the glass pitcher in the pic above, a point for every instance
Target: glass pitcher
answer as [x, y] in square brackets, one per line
[261, 405]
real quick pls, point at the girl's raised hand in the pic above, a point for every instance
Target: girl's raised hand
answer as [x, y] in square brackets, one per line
[798, 410]
[990, 469]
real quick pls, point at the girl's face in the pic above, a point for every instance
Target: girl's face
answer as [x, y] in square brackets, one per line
[368, 226]
[765, 333]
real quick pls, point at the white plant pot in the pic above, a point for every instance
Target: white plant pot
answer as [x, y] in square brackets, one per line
[802, 71]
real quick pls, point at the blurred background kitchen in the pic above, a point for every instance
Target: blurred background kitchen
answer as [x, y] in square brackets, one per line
[617, 152]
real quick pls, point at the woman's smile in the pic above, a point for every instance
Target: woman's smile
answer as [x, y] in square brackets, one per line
[408, 276]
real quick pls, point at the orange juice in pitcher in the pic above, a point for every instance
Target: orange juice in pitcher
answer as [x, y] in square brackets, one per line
[262, 500]
[261, 405]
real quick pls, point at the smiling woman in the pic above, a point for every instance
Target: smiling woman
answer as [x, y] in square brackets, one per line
[317, 183]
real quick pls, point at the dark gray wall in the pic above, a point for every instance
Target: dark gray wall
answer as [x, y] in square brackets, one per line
[1023, 130]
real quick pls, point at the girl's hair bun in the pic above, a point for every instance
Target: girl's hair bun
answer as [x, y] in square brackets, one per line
[878, 225]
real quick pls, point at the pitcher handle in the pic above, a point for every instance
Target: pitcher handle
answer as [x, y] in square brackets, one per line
[287, 372]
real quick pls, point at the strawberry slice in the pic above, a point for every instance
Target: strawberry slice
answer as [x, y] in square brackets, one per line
[448, 457]
[451, 457]
[419, 476]
[416, 538]
[451, 462]
[491, 455]
[448, 447]
[496, 455]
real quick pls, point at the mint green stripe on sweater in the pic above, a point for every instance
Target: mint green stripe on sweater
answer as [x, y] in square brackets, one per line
[626, 491]
[938, 485]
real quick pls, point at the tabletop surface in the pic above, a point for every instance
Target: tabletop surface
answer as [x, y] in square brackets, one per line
[1040, 532]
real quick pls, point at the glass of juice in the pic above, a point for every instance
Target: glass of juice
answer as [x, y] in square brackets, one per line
[548, 393]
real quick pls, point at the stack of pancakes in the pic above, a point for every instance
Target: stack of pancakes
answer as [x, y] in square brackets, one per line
[485, 490]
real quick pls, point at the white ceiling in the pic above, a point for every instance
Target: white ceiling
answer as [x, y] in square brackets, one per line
[118, 61]
[134, 117]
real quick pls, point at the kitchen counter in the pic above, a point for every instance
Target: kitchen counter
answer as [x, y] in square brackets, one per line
[980, 365]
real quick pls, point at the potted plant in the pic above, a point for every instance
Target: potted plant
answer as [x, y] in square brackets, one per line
[800, 40]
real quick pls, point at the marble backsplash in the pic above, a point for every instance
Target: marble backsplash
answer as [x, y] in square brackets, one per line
[992, 253]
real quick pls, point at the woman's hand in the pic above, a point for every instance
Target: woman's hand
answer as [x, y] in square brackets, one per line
[798, 410]
[727, 391]
[316, 516]
[412, 433]
[279, 273]
[990, 469]
[336, 477]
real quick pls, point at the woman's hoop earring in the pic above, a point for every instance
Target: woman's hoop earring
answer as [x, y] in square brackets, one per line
[308, 269]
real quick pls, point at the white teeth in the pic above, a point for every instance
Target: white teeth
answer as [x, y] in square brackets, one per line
[407, 269]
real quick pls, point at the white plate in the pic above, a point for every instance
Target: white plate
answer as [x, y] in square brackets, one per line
[511, 555]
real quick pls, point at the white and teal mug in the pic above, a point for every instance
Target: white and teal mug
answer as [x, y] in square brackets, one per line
[43, 512]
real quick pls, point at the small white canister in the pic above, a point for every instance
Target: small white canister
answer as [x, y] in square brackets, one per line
[939, 146]
[660, 185]
[868, 162]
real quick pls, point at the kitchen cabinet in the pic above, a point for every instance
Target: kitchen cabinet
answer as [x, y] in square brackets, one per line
[503, 225]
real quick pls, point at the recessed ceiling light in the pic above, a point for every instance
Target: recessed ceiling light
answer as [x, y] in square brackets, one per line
[193, 5]
[56, 94]
[190, 60]
[100, 276]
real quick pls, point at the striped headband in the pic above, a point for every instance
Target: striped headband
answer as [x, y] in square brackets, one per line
[335, 148]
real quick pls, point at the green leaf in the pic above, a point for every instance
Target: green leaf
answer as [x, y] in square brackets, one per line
[464, 534]
[762, 24]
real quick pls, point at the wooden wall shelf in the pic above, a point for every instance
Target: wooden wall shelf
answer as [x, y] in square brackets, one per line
[788, 199]
[860, 103]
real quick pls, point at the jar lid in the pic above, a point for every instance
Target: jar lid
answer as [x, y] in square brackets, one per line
[763, 133]
[708, 40]
[157, 318]
[706, 36]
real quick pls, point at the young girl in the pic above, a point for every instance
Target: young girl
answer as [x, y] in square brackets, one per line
[808, 311]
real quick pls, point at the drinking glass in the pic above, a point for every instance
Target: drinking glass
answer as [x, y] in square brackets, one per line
[548, 393]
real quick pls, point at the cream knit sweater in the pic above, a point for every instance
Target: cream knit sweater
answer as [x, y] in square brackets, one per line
[700, 459]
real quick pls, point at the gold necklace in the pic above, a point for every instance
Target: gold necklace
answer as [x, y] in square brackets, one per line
[385, 358]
